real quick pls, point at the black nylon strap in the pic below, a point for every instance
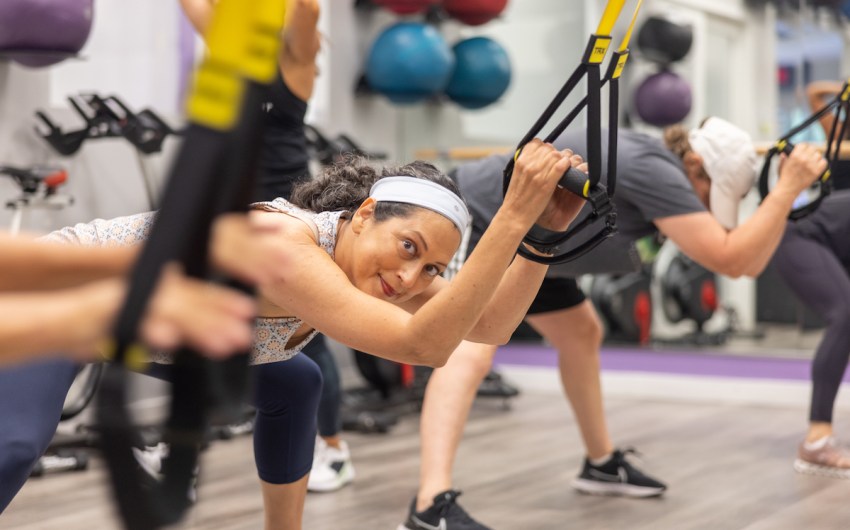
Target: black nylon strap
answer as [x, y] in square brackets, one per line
[598, 195]
[841, 108]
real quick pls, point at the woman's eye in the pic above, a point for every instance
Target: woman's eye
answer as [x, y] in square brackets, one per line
[432, 271]
[409, 246]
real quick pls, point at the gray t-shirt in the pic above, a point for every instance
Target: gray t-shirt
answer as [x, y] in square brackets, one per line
[651, 184]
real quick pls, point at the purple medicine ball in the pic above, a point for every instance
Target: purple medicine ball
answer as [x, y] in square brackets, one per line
[43, 32]
[663, 99]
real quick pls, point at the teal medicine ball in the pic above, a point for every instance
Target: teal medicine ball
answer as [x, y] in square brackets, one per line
[409, 62]
[482, 73]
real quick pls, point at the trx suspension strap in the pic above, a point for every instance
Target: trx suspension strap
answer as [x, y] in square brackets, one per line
[587, 186]
[840, 105]
[212, 174]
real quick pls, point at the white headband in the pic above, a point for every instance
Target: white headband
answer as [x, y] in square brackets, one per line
[424, 193]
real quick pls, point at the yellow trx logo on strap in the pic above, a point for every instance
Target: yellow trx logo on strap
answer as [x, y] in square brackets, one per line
[621, 63]
[243, 40]
[599, 49]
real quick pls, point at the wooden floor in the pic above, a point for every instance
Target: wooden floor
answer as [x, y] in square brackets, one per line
[727, 468]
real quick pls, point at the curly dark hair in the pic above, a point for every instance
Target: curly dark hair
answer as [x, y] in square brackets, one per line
[676, 140]
[344, 186]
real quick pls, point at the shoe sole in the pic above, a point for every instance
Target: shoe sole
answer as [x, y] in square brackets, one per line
[801, 466]
[592, 487]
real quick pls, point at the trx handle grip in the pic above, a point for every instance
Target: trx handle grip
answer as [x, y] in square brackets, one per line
[786, 147]
[576, 182]
[824, 181]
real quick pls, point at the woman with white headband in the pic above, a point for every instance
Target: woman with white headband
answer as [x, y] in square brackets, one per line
[361, 260]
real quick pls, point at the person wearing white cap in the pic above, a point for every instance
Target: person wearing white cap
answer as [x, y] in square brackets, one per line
[688, 190]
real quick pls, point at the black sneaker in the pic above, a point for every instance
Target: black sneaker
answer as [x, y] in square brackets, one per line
[617, 477]
[444, 514]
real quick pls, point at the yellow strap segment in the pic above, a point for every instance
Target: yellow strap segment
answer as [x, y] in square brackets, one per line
[621, 63]
[846, 94]
[243, 40]
[599, 49]
[625, 44]
[586, 189]
[610, 16]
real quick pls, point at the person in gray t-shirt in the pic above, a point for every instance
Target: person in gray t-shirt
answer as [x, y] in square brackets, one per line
[689, 191]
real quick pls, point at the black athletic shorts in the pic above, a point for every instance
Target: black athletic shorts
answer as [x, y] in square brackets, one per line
[556, 294]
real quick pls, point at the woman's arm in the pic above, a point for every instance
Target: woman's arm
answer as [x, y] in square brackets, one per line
[74, 322]
[816, 93]
[301, 40]
[522, 280]
[312, 287]
[29, 265]
[747, 249]
[301, 44]
[199, 13]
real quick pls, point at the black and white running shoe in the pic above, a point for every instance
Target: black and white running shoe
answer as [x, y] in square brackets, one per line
[617, 476]
[444, 514]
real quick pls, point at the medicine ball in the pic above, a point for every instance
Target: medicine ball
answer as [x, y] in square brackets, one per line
[474, 12]
[663, 98]
[44, 32]
[408, 62]
[664, 41]
[481, 74]
[406, 7]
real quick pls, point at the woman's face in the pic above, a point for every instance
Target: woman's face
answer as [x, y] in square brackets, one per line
[398, 258]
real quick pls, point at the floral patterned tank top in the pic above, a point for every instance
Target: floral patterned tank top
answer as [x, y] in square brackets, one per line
[270, 334]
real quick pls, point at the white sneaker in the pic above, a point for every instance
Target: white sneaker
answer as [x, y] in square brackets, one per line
[150, 460]
[332, 468]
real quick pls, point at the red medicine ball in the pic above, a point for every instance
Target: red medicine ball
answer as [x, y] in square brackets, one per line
[474, 12]
[406, 7]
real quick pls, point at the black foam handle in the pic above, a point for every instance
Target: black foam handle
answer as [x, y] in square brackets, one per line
[575, 181]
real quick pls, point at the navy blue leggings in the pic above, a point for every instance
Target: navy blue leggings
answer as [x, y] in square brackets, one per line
[330, 422]
[286, 398]
[31, 399]
[821, 281]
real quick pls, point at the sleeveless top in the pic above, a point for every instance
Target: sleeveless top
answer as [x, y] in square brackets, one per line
[270, 334]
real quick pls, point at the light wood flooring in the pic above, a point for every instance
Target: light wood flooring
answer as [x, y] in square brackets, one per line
[727, 468]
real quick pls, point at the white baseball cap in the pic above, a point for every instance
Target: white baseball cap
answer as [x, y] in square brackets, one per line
[730, 159]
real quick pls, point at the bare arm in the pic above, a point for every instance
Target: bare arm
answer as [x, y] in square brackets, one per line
[747, 249]
[73, 322]
[301, 44]
[69, 322]
[28, 265]
[312, 287]
[817, 92]
[521, 282]
[199, 13]
[301, 40]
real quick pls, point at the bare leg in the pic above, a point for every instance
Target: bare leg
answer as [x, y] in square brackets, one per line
[818, 430]
[284, 504]
[577, 335]
[448, 398]
[333, 441]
